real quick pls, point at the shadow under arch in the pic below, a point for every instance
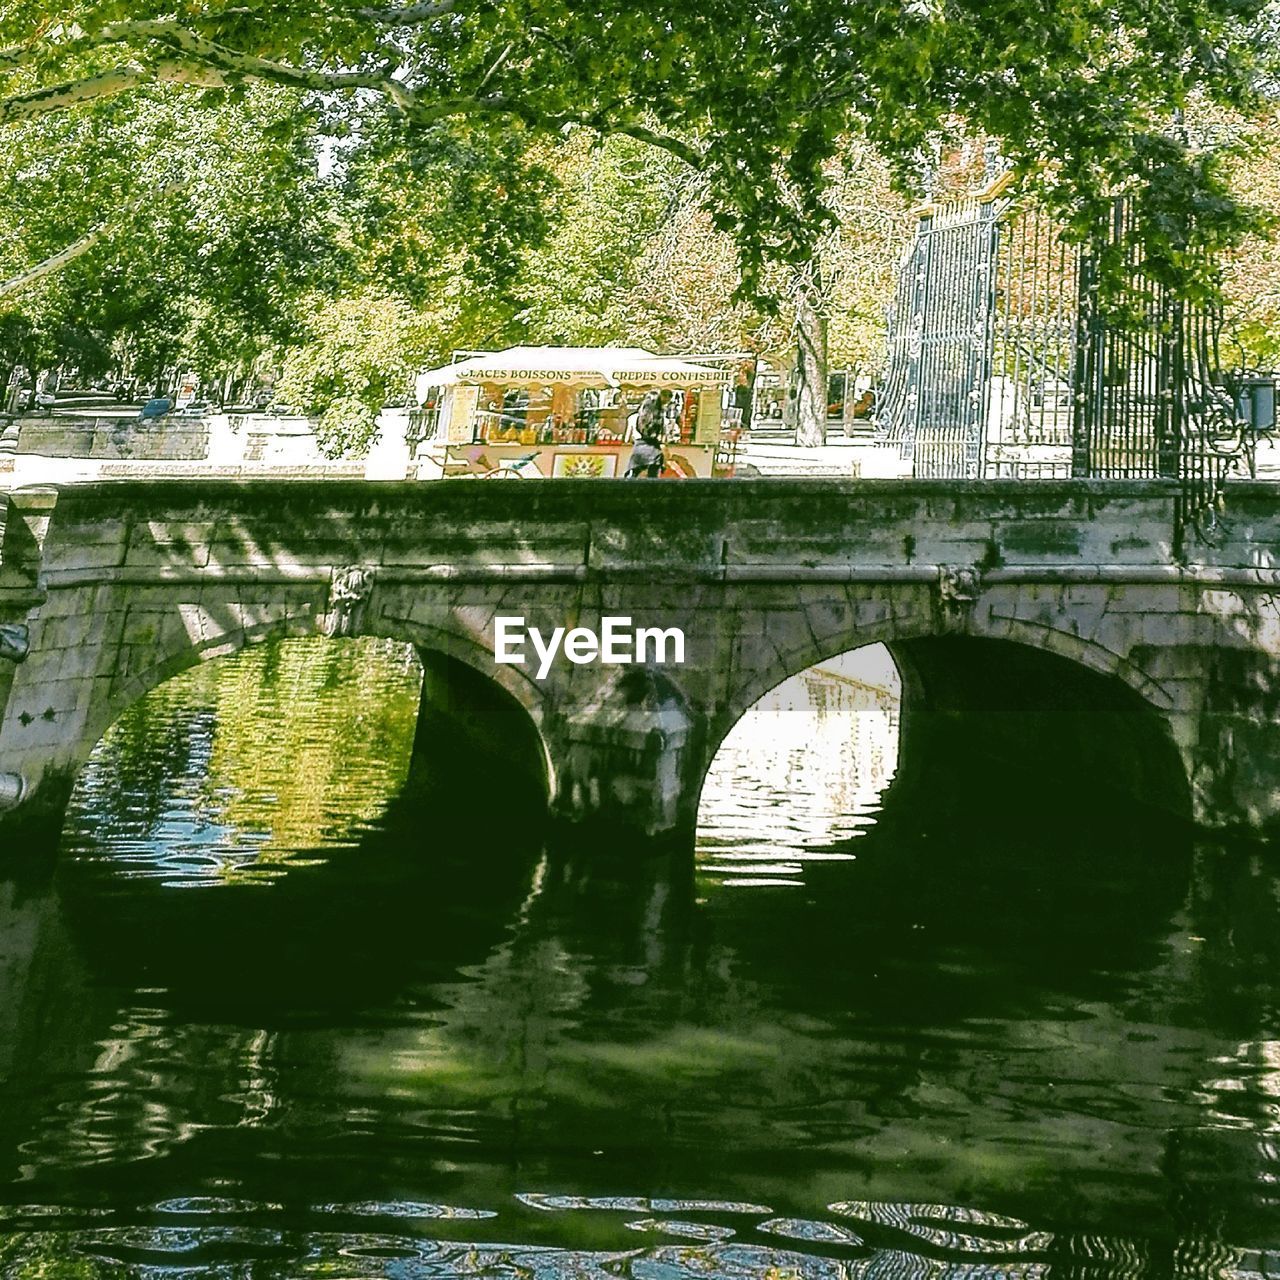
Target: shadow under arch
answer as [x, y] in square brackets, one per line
[999, 713]
[475, 741]
[410, 902]
[408, 852]
[1037, 825]
[1030, 699]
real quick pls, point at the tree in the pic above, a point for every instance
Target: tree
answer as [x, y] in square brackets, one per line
[421, 144]
[683, 288]
[582, 281]
[758, 95]
[1252, 269]
[358, 352]
[429, 233]
[215, 217]
[635, 256]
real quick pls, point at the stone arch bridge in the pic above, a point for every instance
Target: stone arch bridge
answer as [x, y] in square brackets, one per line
[1055, 609]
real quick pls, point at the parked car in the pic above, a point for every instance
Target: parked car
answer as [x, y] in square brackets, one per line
[156, 408]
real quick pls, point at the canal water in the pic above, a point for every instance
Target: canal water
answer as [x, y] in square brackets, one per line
[289, 1004]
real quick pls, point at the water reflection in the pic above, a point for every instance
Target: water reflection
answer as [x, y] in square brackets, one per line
[430, 1043]
[223, 774]
[806, 766]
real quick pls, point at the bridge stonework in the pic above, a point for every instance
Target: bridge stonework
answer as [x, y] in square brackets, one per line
[108, 589]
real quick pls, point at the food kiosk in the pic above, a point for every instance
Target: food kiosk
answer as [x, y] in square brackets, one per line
[567, 412]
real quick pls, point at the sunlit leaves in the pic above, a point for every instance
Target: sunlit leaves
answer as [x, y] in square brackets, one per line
[761, 90]
[209, 216]
[359, 352]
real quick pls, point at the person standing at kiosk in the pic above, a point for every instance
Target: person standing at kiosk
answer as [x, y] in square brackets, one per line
[646, 457]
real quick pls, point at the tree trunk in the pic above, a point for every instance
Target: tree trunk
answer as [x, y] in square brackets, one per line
[811, 366]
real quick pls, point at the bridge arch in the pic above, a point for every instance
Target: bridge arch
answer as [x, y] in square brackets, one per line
[923, 622]
[476, 654]
[173, 662]
[1053, 664]
[454, 666]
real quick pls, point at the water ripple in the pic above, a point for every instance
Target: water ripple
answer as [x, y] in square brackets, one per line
[687, 1230]
[919, 1220]
[806, 1229]
[638, 1204]
[403, 1209]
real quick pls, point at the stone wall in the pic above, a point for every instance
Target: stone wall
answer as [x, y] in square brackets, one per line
[167, 439]
[251, 444]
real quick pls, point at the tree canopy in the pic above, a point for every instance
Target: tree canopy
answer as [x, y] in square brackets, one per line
[174, 227]
[757, 94]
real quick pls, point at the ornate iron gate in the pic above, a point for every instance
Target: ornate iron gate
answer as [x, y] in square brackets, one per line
[1154, 395]
[1031, 399]
[1005, 362]
[940, 341]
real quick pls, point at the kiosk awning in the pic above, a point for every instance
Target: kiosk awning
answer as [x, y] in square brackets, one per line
[574, 366]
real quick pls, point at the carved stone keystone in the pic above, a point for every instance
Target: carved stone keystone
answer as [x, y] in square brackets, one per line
[15, 641]
[959, 586]
[348, 595]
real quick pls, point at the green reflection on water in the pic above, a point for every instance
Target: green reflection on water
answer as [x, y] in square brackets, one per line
[1073, 1022]
[239, 765]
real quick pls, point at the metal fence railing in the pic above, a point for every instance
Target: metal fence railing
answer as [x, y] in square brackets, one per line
[1007, 358]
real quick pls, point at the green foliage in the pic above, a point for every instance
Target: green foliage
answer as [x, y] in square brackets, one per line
[1252, 269]
[358, 352]
[583, 283]
[449, 200]
[355, 188]
[635, 257]
[209, 218]
[759, 94]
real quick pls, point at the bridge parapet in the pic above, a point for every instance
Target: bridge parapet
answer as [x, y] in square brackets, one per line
[698, 528]
[701, 526]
